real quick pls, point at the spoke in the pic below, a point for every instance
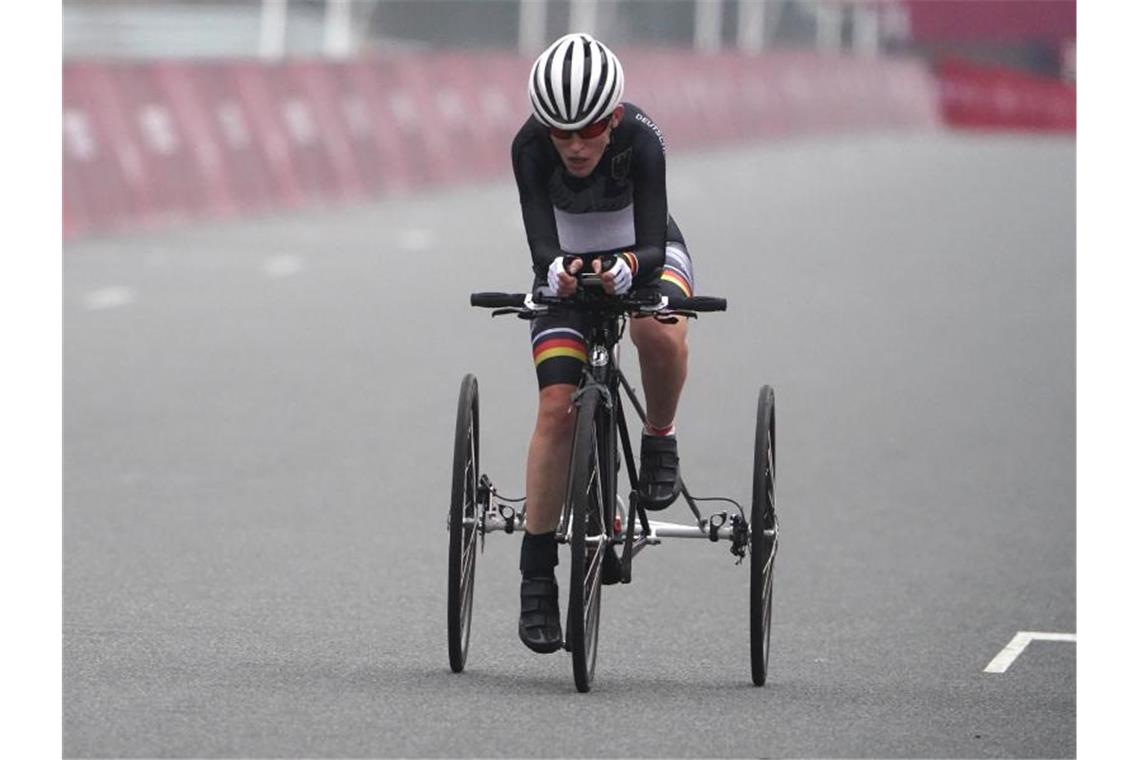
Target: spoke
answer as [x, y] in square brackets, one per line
[465, 582]
[592, 573]
[592, 603]
[464, 603]
[469, 552]
[592, 586]
[465, 614]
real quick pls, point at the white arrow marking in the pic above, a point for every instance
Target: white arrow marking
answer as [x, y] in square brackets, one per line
[108, 298]
[416, 239]
[1017, 645]
[282, 266]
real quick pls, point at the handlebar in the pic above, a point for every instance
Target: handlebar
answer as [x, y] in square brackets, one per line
[523, 303]
[699, 303]
[498, 300]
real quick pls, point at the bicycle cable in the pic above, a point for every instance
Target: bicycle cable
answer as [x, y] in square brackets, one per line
[720, 498]
[733, 502]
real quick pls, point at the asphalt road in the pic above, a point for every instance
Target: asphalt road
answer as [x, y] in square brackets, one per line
[258, 421]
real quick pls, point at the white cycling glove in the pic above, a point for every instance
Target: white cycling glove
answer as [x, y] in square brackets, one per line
[623, 276]
[552, 273]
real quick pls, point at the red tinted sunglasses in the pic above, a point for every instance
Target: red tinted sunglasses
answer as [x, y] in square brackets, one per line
[588, 132]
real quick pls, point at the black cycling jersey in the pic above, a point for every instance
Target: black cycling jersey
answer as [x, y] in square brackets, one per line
[620, 207]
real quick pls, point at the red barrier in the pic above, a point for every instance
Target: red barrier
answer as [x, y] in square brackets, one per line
[387, 127]
[309, 105]
[976, 97]
[1000, 21]
[335, 92]
[210, 93]
[147, 143]
[171, 185]
[102, 169]
[176, 80]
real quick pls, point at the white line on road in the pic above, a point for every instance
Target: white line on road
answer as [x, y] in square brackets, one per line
[1017, 645]
[282, 266]
[108, 298]
[415, 239]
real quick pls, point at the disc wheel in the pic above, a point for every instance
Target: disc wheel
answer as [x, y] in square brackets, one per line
[764, 534]
[462, 523]
[587, 545]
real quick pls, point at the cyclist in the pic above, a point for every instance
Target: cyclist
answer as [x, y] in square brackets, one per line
[590, 171]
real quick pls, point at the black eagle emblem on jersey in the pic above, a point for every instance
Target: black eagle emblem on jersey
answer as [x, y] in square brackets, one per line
[619, 168]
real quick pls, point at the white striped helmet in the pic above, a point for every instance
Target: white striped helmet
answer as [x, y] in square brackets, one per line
[575, 82]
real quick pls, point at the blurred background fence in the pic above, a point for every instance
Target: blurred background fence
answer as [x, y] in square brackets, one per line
[181, 109]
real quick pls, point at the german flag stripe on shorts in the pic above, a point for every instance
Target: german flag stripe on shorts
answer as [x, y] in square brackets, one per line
[558, 341]
[678, 269]
[677, 277]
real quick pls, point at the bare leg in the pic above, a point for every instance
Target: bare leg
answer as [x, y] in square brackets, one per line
[548, 461]
[663, 353]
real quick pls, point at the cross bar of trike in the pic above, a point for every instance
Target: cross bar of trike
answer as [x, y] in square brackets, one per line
[505, 519]
[732, 528]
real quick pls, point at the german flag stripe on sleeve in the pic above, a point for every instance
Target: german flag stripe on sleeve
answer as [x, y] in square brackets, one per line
[631, 260]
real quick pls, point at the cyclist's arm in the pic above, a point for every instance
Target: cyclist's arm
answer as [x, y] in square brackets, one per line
[537, 210]
[650, 207]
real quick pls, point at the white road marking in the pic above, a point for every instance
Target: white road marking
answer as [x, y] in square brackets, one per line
[282, 266]
[109, 298]
[1017, 645]
[415, 239]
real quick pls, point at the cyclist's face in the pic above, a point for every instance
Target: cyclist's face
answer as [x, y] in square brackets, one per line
[581, 154]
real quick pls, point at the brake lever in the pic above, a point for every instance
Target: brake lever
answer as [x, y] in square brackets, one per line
[520, 310]
[670, 318]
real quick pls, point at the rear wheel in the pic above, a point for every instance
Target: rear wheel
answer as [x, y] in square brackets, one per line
[764, 534]
[587, 543]
[462, 523]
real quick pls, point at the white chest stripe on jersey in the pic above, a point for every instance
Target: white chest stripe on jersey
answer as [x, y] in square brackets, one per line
[595, 230]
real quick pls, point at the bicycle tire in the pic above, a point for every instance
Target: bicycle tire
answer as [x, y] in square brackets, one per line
[586, 505]
[461, 524]
[763, 541]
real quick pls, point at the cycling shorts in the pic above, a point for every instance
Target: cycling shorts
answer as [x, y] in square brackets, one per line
[558, 341]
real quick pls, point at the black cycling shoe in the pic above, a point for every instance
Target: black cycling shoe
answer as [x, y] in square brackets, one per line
[659, 484]
[611, 567]
[539, 626]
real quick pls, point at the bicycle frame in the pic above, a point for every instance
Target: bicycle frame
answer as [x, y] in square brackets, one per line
[633, 529]
[593, 517]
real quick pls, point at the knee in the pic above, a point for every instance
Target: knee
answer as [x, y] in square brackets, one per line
[659, 343]
[555, 417]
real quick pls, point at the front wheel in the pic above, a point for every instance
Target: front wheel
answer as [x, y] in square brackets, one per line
[764, 534]
[462, 523]
[588, 540]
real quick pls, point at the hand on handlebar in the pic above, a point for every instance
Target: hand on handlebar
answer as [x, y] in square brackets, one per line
[618, 279]
[560, 276]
